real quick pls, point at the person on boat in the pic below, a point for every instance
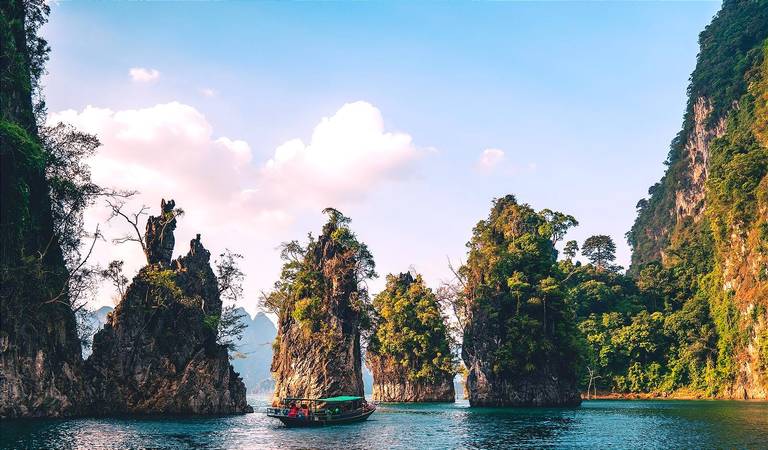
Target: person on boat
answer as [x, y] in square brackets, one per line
[293, 411]
[305, 410]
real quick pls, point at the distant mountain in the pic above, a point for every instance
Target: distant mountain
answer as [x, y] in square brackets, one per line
[253, 358]
[97, 321]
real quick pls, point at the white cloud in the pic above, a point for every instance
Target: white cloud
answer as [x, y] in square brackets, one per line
[142, 75]
[490, 159]
[208, 92]
[349, 154]
[170, 151]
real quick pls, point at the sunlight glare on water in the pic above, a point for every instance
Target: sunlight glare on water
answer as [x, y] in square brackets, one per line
[596, 424]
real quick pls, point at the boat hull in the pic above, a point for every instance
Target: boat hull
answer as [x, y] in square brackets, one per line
[296, 422]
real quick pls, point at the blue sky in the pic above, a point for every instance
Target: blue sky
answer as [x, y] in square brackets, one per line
[582, 98]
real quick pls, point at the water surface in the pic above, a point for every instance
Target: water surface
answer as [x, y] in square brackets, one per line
[596, 424]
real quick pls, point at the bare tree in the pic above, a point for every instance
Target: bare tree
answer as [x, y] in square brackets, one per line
[592, 373]
[71, 192]
[132, 218]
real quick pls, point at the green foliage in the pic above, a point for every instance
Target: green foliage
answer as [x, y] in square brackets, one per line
[324, 277]
[163, 281]
[705, 322]
[519, 321]
[211, 321]
[570, 249]
[410, 330]
[600, 250]
[730, 49]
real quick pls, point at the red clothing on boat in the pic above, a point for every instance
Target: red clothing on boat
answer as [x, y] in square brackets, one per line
[293, 411]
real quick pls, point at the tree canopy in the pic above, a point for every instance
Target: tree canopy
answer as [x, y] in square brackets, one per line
[519, 321]
[410, 330]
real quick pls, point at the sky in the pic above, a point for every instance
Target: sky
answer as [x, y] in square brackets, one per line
[409, 117]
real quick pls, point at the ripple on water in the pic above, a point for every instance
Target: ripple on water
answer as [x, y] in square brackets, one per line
[596, 424]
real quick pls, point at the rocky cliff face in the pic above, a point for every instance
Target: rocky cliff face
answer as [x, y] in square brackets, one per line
[706, 219]
[392, 384]
[40, 362]
[690, 196]
[158, 351]
[543, 388]
[320, 308]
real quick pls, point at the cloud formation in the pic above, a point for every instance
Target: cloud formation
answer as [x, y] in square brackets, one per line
[171, 151]
[142, 75]
[349, 154]
[490, 159]
[208, 92]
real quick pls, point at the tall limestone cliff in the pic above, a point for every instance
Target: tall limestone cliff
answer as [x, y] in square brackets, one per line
[40, 360]
[157, 352]
[706, 222]
[409, 352]
[322, 306]
[519, 334]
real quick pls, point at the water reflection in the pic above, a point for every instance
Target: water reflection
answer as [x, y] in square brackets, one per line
[513, 427]
[597, 424]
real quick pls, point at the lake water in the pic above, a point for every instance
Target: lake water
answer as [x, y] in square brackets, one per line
[596, 424]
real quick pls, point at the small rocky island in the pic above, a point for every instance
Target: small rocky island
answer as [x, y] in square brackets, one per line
[519, 339]
[158, 351]
[322, 305]
[409, 351]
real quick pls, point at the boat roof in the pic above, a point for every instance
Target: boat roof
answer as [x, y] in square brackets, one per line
[340, 398]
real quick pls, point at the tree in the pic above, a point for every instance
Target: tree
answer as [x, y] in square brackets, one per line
[114, 273]
[600, 250]
[229, 276]
[166, 218]
[305, 279]
[556, 224]
[410, 331]
[230, 279]
[518, 321]
[570, 249]
[230, 327]
[71, 192]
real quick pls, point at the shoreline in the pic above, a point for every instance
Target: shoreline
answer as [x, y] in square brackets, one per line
[683, 395]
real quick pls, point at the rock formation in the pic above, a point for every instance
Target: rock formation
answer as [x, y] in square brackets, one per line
[321, 305]
[518, 332]
[707, 216]
[391, 383]
[158, 238]
[158, 351]
[409, 353]
[40, 362]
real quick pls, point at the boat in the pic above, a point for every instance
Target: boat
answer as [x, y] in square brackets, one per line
[322, 411]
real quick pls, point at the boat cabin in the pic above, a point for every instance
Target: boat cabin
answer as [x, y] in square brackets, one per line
[321, 411]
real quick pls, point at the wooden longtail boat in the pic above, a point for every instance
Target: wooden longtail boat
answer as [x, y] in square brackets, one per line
[321, 411]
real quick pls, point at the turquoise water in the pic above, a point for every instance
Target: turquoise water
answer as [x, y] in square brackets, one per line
[596, 424]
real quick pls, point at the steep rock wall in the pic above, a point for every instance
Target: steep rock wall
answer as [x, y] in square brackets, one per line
[158, 352]
[317, 350]
[40, 361]
[392, 384]
[706, 218]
